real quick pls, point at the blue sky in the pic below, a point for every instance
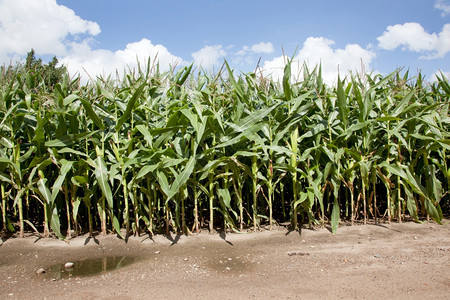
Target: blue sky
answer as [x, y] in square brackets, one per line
[100, 36]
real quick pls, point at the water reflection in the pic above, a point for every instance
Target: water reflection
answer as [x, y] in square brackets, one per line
[89, 267]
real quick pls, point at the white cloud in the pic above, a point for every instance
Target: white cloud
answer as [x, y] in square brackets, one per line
[209, 56]
[443, 6]
[413, 37]
[318, 50]
[261, 47]
[104, 62]
[52, 29]
[39, 24]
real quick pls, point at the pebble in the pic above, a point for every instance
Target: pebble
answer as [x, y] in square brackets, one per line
[40, 271]
[415, 237]
[68, 265]
[291, 253]
[157, 252]
[377, 256]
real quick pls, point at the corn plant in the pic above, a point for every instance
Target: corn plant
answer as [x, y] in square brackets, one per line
[182, 151]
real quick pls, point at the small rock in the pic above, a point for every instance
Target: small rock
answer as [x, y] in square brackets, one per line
[40, 271]
[186, 259]
[157, 252]
[415, 237]
[228, 268]
[377, 256]
[229, 258]
[68, 265]
[291, 253]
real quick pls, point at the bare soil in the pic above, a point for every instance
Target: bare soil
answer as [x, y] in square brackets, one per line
[396, 261]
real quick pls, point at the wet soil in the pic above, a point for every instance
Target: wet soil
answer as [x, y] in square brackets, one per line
[396, 261]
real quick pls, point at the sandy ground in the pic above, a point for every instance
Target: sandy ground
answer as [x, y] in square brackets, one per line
[397, 261]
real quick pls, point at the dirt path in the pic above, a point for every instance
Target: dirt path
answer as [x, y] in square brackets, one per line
[397, 261]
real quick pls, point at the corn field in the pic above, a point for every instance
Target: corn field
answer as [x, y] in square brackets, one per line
[185, 150]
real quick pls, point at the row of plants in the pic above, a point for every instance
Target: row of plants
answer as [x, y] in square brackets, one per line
[186, 150]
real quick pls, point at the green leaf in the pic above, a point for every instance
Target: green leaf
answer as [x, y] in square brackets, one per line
[164, 184]
[10, 162]
[76, 206]
[186, 71]
[68, 140]
[66, 166]
[130, 105]
[183, 177]
[225, 197]
[236, 86]
[403, 103]
[101, 174]
[432, 211]
[286, 81]
[342, 103]
[55, 224]
[144, 131]
[411, 204]
[145, 170]
[335, 216]
[69, 99]
[45, 192]
[91, 113]
[116, 226]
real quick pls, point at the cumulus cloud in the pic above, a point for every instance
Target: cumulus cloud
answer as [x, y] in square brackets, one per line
[209, 56]
[413, 37]
[442, 6]
[263, 47]
[318, 50]
[52, 29]
[42, 25]
[82, 58]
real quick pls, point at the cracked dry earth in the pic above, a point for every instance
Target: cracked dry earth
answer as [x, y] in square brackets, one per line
[396, 261]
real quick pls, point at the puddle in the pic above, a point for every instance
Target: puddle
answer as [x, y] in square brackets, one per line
[90, 267]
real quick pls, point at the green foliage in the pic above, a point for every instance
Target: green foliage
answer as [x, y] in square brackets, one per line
[175, 150]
